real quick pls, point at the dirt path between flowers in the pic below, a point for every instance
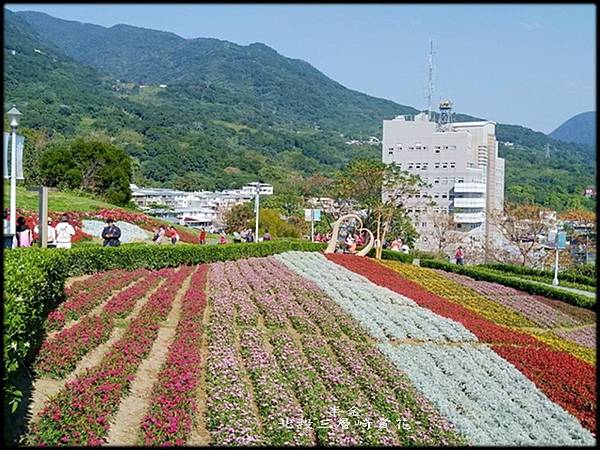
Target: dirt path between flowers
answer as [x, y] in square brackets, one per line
[200, 435]
[126, 424]
[94, 312]
[44, 388]
[69, 281]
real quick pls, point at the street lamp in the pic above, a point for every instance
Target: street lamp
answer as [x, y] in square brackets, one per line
[13, 117]
[257, 187]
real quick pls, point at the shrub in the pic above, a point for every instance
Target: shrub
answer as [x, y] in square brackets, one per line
[566, 275]
[480, 273]
[34, 281]
[394, 256]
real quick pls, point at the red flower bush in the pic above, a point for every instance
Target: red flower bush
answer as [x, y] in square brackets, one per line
[561, 376]
[80, 414]
[169, 420]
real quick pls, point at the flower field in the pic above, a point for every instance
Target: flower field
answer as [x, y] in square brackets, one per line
[300, 349]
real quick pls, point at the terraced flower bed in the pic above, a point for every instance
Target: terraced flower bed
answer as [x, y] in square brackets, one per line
[300, 349]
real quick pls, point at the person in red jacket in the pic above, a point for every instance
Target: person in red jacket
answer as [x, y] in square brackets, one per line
[202, 236]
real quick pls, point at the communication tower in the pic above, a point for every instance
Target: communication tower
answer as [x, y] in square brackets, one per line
[430, 83]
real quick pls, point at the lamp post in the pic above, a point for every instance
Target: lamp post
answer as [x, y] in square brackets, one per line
[257, 187]
[13, 117]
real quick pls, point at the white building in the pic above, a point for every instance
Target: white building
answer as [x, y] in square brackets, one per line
[202, 208]
[460, 162]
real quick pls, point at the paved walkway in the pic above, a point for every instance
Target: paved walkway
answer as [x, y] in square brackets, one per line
[559, 287]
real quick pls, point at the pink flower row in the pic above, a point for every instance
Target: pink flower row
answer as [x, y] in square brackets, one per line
[170, 416]
[60, 354]
[80, 414]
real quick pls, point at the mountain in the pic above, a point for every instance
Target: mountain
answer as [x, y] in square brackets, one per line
[580, 129]
[227, 114]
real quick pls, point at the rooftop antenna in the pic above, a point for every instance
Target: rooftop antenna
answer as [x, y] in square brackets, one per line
[430, 83]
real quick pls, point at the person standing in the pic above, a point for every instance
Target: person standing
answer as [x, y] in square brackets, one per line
[396, 245]
[459, 256]
[111, 234]
[350, 243]
[250, 236]
[51, 233]
[237, 237]
[405, 249]
[267, 236]
[222, 238]
[23, 233]
[174, 235]
[64, 233]
[202, 236]
[160, 235]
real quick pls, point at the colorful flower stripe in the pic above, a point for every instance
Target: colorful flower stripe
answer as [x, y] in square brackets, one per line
[499, 314]
[170, 415]
[526, 304]
[91, 282]
[487, 398]
[456, 408]
[485, 330]
[275, 402]
[80, 414]
[59, 355]
[460, 294]
[383, 313]
[230, 419]
[57, 318]
[84, 302]
[394, 402]
[585, 336]
[551, 371]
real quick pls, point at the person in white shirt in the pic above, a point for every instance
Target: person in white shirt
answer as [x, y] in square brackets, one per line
[64, 233]
[51, 233]
[405, 249]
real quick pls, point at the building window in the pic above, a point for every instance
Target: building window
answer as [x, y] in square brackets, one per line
[437, 165]
[436, 195]
[451, 179]
[437, 151]
[453, 147]
[411, 148]
[436, 180]
[424, 147]
[444, 180]
[444, 195]
[460, 180]
[444, 165]
[398, 147]
[424, 166]
[423, 224]
[445, 147]
[453, 165]
[410, 166]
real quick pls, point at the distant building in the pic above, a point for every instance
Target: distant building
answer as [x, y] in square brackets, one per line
[202, 208]
[460, 162]
[162, 85]
[589, 191]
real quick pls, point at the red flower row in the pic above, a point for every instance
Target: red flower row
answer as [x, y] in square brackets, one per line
[59, 355]
[170, 416]
[80, 414]
[85, 301]
[559, 382]
[565, 379]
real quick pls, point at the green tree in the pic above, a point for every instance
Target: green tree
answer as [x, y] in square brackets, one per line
[379, 189]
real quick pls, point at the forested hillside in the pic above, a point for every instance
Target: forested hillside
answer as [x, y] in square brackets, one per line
[229, 114]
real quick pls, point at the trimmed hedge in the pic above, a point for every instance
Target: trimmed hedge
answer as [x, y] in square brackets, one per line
[393, 255]
[480, 273]
[34, 280]
[566, 275]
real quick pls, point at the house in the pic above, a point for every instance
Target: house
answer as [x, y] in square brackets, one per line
[589, 191]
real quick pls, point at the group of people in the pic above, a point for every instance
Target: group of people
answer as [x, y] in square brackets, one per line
[398, 246]
[325, 237]
[244, 236]
[27, 232]
[164, 234]
[351, 240]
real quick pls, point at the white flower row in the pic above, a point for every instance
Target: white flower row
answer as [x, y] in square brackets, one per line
[384, 313]
[486, 397]
[129, 232]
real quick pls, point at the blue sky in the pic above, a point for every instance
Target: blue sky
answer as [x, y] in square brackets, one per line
[533, 65]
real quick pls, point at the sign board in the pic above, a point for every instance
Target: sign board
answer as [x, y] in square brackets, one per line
[561, 240]
[19, 156]
[312, 215]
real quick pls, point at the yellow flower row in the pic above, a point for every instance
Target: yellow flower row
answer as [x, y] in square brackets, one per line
[487, 308]
[458, 293]
[559, 343]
